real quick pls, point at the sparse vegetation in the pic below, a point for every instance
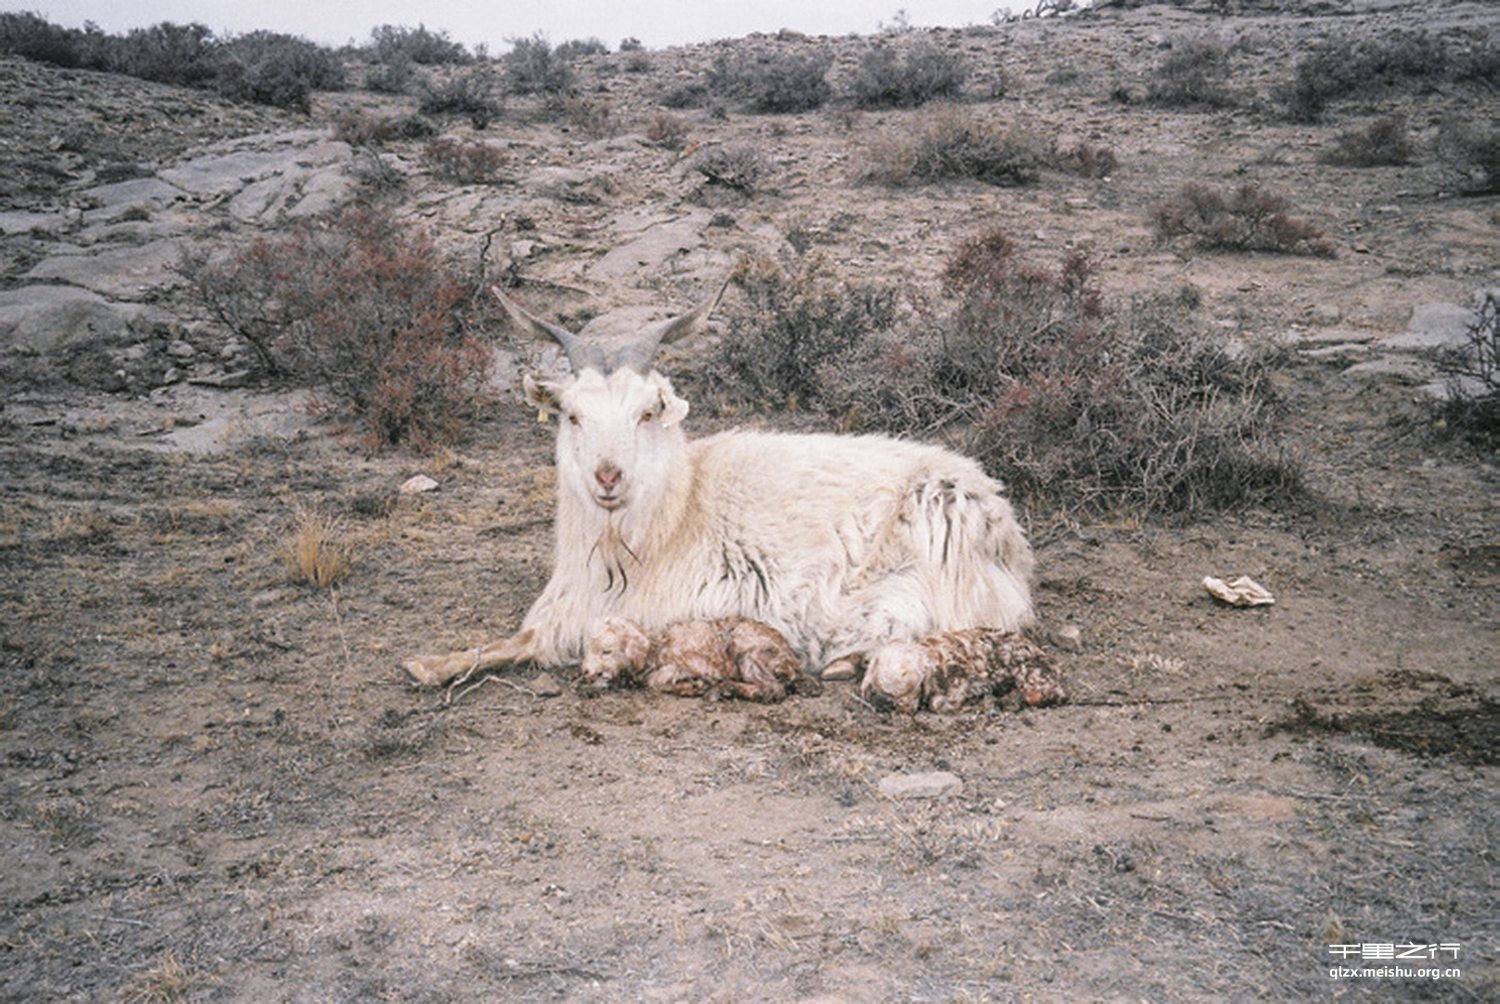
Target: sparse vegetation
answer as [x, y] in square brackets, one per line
[1472, 375]
[667, 131]
[263, 67]
[739, 166]
[1069, 400]
[774, 83]
[954, 144]
[1471, 150]
[316, 550]
[801, 319]
[533, 67]
[358, 305]
[922, 74]
[1192, 76]
[1245, 219]
[1086, 160]
[464, 162]
[466, 93]
[1341, 67]
[400, 45]
[359, 128]
[1384, 142]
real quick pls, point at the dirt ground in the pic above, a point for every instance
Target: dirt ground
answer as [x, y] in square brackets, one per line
[218, 785]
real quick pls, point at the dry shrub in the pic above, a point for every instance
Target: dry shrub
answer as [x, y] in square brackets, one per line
[1472, 375]
[316, 550]
[1192, 76]
[467, 92]
[1471, 150]
[923, 74]
[953, 144]
[739, 166]
[667, 131]
[360, 128]
[464, 162]
[1245, 219]
[799, 320]
[359, 305]
[1337, 68]
[1086, 160]
[1384, 142]
[1028, 369]
[772, 83]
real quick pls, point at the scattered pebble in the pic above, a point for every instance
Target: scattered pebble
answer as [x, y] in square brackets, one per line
[934, 784]
[418, 484]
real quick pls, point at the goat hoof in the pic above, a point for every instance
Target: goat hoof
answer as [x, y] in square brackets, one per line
[838, 669]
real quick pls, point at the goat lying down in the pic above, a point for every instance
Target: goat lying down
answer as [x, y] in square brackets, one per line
[727, 656]
[840, 543]
[948, 671]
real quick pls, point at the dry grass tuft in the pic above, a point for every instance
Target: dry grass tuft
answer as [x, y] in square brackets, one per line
[166, 981]
[953, 144]
[317, 551]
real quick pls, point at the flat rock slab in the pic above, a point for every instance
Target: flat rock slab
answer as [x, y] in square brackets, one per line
[124, 273]
[151, 193]
[231, 171]
[25, 223]
[43, 318]
[1433, 326]
[1402, 369]
[933, 784]
[654, 248]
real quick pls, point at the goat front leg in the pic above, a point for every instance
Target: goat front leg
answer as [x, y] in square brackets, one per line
[436, 670]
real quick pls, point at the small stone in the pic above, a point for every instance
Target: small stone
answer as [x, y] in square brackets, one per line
[546, 685]
[934, 784]
[181, 350]
[418, 484]
[1069, 638]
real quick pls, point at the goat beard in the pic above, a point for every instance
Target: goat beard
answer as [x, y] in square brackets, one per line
[613, 549]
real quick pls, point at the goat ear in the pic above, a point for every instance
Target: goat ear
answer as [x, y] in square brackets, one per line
[543, 395]
[673, 408]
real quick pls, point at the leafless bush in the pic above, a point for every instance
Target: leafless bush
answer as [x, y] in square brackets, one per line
[667, 131]
[360, 128]
[1086, 160]
[953, 144]
[392, 44]
[924, 73]
[1192, 76]
[1070, 400]
[1340, 67]
[1472, 374]
[467, 92]
[1245, 219]
[1383, 142]
[1472, 152]
[776, 83]
[800, 318]
[359, 306]
[532, 66]
[464, 162]
[739, 166]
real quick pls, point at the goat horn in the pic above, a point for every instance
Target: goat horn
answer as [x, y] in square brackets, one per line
[642, 354]
[575, 347]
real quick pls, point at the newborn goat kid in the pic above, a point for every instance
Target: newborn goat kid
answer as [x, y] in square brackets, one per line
[730, 656]
[947, 671]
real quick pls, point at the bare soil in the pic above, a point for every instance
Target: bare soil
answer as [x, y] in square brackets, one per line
[218, 785]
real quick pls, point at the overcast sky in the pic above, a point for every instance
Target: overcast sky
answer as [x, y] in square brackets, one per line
[657, 23]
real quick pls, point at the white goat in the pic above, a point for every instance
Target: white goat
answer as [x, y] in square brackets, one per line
[841, 543]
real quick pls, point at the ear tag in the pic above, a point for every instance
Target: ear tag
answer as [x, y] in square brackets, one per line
[541, 415]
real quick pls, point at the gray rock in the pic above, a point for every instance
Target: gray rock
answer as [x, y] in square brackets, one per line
[181, 350]
[45, 318]
[1402, 369]
[1433, 326]
[151, 193]
[119, 272]
[1068, 637]
[25, 223]
[652, 249]
[934, 784]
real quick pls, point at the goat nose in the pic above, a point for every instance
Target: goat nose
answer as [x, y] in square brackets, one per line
[607, 474]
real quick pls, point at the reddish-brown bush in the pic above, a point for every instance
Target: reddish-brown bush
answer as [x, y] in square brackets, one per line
[358, 305]
[1245, 219]
[472, 162]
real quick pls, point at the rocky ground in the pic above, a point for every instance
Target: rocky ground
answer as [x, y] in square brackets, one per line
[218, 784]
